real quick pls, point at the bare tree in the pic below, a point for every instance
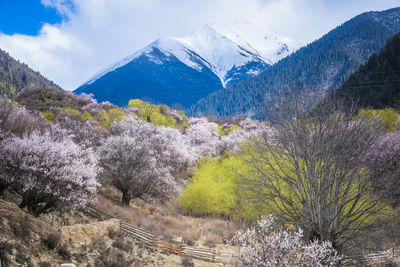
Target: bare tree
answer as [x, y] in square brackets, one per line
[311, 174]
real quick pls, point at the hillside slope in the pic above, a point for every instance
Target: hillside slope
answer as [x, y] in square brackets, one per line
[377, 83]
[323, 64]
[14, 76]
[71, 238]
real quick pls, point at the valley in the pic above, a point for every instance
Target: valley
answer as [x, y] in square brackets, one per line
[230, 146]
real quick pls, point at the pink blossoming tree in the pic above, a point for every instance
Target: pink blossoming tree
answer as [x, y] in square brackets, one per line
[266, 245]
[139, 159]
[48, 172]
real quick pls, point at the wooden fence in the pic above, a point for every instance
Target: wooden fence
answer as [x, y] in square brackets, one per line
[147, 238]
[392, 253]
[373, 258]
[209, 254]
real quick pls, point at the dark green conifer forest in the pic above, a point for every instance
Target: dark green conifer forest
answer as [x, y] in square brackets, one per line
[377, 83]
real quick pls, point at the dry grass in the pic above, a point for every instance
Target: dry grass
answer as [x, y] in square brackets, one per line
[82, 233]
[94, 244]
[166, 220]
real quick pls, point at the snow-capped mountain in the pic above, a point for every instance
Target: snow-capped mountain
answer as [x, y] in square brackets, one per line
[192, 66]
[323, 64]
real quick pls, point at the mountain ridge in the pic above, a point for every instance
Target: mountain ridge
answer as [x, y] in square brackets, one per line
[207, 51]
[270, 55]
[15, 76]
[376, 84]
[324, 63]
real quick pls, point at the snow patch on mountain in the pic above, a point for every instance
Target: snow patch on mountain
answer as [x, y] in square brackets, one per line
[119, 64]
[220, 52]
[186, 55]
[270, 46]
[219, 48]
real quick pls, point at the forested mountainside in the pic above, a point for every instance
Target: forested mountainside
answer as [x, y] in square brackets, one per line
[14, 76]
[323, 64]
[377, 83]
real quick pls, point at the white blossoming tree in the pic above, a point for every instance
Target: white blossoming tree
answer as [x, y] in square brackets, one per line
[384, 162]
[48, 171]
[251, 129]
[266, 245]
[130, 164]
[139, 159]
[174, 149]
[16, 120]
[203, 137]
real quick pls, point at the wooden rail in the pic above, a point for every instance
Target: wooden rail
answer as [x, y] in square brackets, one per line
[390, 253]
[147, 238]
[206, 254]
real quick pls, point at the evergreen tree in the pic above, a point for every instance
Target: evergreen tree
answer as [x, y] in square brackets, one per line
[377, 83]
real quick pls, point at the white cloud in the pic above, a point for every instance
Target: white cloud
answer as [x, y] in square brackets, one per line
[97, 33]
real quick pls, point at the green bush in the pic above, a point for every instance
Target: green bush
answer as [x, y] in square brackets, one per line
[111, 115]
[214, 189]
[49, 116]
[226, 131]
[388, 116]
[211, 188]
[158, 114]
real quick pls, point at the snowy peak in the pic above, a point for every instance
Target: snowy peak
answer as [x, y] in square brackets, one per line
[169, 46]
[220, 52]
[269, 45]
[227, 47]
[230, 52]
[186, 54]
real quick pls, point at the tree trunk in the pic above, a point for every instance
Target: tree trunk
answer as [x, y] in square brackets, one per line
[126, 199]
[2, 189]
[34, 209]
[2, 257]
[37, 212]
[23, 203]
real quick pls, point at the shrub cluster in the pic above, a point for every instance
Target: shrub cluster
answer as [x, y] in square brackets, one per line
[52, 240]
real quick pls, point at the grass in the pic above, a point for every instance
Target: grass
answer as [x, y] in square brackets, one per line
[166, 220]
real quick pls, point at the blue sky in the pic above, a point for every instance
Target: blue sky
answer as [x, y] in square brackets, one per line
[26, 16]
[70, 40]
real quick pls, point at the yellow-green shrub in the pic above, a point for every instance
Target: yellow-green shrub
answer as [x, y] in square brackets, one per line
[216, 188]
[111, 115]
[160, 119]
[70, 112]
[211, 188]
[388, 116]
[49, 116]
[226, 131]
[135, 103]
[88, 117]
[156, 114]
